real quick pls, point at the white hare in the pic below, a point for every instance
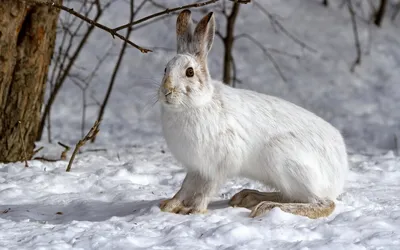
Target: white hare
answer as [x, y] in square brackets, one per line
[219, 132]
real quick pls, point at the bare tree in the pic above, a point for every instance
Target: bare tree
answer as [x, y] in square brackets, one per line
[27, 37]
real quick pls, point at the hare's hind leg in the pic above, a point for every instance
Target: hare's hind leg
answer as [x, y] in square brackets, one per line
[322, 208]
[249, 198]
[261, 203]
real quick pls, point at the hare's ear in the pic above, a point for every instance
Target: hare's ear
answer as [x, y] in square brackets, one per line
[184, 26]
[204, 35]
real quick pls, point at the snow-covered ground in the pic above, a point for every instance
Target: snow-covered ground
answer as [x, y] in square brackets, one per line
[109, 199]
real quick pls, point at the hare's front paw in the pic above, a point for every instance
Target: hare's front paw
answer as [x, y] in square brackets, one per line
[176, 206]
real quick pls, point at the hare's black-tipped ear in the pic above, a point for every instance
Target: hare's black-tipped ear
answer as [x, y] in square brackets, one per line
[204, 35]
[184, 27]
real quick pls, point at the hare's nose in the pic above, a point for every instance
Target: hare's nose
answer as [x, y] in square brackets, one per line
[167, 84]
[167, 93]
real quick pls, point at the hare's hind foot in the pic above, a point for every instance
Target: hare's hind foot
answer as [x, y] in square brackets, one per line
[249, 198]
[176, 206]
[261, 203]
[311, 210]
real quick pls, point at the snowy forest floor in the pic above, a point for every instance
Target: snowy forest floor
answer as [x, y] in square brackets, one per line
[110, 201]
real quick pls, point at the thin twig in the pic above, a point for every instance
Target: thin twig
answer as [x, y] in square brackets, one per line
[157, 19]
[6, 211]
[396, 11]
[380, 13]
[112, 32]
[119, 61]
[37, 150]
[96, 150]
[167, 11]
[164, 49]
[42, 158]
[357, 61]
[65, 151]
[62, 157]
[92, 133]
[283, 29]
[266, 53]
[64, 72]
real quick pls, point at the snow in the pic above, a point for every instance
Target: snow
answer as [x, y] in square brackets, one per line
[110, 198]
[109, 201]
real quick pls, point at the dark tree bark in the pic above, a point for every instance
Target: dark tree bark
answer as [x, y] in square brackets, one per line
[380, 13]
[228, 43]
[27, 37]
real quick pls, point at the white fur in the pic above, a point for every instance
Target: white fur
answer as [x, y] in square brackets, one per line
[218, 132]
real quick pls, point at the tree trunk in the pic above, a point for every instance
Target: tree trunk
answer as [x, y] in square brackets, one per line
[228, 44]
[27, 37]
[380, 13]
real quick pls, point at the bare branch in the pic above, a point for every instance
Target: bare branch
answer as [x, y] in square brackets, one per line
[92, 133]
[266, 53]
[113, 32]
[380, 13]
[167, 11]
[83, 83]
[119, 61]
[42, 158]
[65, 151]
[37, 150]
[150, 22]
[164, 49]
[64, 72]
[396, 11]
[62, 157]
[357, 61]
[241, 1]
[283, 29]
[95, 150]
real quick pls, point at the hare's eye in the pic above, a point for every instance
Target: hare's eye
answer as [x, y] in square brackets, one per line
[189, 72]
[165, 70]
